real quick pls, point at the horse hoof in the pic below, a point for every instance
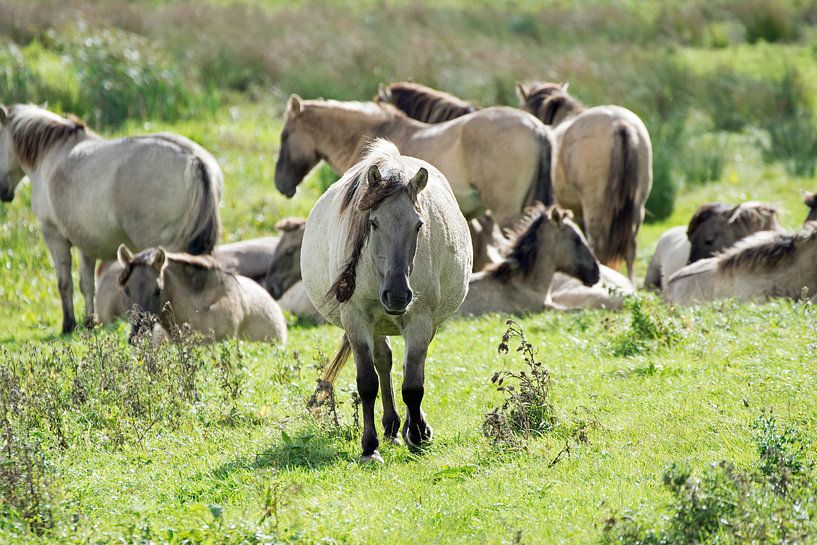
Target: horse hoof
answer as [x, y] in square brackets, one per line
[373, 458]
[426, 436]
[89, 322]
[394, 440]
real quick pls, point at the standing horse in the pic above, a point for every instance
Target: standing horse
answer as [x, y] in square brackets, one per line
[386, 252]
[496, 158]
[96, 194]
[602, 170]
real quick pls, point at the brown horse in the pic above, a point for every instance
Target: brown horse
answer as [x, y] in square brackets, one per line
[496, 158]
[602, 170]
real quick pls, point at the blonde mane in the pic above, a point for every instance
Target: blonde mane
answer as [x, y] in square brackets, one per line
[34, 131]
[359, 198]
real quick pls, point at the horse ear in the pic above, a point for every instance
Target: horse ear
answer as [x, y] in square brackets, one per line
[294, 105]
[382, 93]
[418, 183]
[373, 176]
[159, 258]
[521, 91]
[4, 115]
[124, 255]
[565, 85]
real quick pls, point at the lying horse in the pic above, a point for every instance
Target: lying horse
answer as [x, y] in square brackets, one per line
[250, 258]
[713, 227]
[182, 289]
[766, 264]
[602, 170]
[545, 241]
[96, 194]
[496, 158]
[810, 200]
[386, 252]
[285, 268]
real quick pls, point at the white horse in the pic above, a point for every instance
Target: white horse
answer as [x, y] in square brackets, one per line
[386, 252]
[96, 194]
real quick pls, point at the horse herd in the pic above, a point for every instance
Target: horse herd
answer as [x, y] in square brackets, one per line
[443, 207]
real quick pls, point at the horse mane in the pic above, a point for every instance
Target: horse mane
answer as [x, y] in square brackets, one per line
[754, 215]
[765, 250]
[545, 99]
[34, 131]
[524, 245]
[359, 199]
[424, 103]
[203, 262]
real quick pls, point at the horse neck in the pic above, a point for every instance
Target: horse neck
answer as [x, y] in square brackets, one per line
[52, 158]
[341, 134]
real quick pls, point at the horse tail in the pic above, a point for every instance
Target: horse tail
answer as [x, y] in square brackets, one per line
[202, 226]
[622, 191]
[542, 189]
[330, 373]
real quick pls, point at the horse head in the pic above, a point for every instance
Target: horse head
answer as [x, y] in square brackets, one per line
[568, 247]
[285, 269]
[141, 281]
[298, 153]
[10, 172]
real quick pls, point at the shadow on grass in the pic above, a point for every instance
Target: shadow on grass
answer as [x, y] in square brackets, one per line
[306, 449]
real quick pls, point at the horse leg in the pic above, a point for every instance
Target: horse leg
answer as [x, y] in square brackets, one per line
[367, 390]
[415, 429]
[382, 363]
[87, 271]
[60, 250]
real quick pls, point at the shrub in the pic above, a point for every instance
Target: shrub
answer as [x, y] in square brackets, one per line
[526, 408]
[122, 77]
[651, 322]
[792, 126]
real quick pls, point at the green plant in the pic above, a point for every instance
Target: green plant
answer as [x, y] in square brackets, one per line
[650, 323]
[526, 408]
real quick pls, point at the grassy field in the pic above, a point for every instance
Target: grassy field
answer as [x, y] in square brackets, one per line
[107, 443]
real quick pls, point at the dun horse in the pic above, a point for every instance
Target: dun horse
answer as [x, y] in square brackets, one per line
[386, 252]
[713, 227]
[182, 289]
[766, 264]
[250, 258]
[96, 194]
[285, 268]
[497, 158]
[602, 170]
[545, 241]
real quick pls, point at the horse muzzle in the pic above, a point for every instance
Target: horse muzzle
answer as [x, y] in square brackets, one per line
[591, 275]
[396, 301]
[7, 196]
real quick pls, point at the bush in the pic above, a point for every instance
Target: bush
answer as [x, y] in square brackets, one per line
[792, 126]
[122, 77]
[651, 323]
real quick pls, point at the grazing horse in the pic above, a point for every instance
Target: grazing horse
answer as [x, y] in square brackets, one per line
[544, 242]
[96, 194]
[766, 264]
[810, 200]
[713, 227]
[183, 289]
[386, 252]
[285, 268]
[496, 158]
[602, 170]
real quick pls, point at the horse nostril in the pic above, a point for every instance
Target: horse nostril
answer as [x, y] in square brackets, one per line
[409, 296]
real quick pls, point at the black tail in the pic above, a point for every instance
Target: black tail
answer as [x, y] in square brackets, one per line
[543, 184]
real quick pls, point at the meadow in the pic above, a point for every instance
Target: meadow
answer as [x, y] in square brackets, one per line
[653, 425]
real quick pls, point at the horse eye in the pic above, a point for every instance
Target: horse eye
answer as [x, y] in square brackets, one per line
[709, 241]
[290, 251]
[157, 292]
[127, 291]
[420, 224]
[373, 225]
